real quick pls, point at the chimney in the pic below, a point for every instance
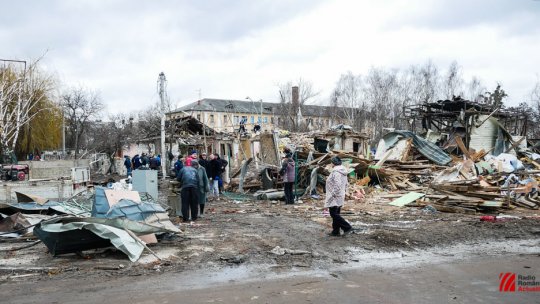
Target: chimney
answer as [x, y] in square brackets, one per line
[295, 99]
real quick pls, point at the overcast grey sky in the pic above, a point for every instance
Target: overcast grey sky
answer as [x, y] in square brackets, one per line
[233, 49]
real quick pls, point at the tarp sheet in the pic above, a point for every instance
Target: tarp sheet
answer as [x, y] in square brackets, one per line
[118, 237]
[147, 212]
[426, 148]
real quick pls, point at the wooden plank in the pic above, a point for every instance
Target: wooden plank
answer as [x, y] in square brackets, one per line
[514, 145]
[461, 146]
[453, 209]
[406, 199]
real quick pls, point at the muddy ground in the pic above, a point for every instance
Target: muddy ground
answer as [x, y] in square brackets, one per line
[237, 233]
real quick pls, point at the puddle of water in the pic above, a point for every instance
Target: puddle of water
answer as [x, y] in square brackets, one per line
[358, 259]
[390, 224]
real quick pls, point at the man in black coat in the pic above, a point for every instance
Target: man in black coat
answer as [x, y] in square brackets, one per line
[189, 179]
[213, 171]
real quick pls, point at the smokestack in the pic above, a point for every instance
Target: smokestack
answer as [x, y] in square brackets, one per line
[295, 99]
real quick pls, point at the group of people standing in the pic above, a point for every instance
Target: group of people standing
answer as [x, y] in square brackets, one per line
[198, 176]
[142, 161]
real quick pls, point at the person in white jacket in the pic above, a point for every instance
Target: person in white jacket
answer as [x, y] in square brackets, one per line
[336, 185]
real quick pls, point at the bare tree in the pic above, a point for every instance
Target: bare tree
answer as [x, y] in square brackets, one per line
[21, 92]
[288, 113]
[347, 97]
[535, 110]
[80, 106]
[475, 89]
[148, 123]
[452, 82]
[381, 91]
[110, 136]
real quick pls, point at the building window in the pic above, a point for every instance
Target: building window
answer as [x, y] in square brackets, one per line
[236, 120]
[259, 119]
[225, 119]
[211, 118]
[199, 117]
[272, 120]
[252, 119]
[265, 120]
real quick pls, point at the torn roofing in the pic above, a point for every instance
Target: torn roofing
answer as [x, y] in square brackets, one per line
[426, 148]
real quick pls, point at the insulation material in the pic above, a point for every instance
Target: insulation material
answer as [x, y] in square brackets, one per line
[114, 196]
[398, 153]
[464, 170]
[485, 135]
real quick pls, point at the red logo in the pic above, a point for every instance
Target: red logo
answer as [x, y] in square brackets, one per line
[507, 282]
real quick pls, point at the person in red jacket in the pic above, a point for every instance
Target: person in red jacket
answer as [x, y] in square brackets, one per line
[191, 157]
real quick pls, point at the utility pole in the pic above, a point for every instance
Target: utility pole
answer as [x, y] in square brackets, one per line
[63, 134]
[162, 82]
[203, 121]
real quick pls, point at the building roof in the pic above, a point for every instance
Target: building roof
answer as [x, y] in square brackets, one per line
[253, 107]
[226, 105]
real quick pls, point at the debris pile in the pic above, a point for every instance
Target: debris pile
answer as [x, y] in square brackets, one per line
[99, 218]
[471, 164]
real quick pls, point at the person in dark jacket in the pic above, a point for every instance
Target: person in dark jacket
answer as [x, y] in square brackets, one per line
[287, 171]
[145, 160]
[189, 179]
[178, 165]
[203, 162]
[214, 170]
[222, 165]
[153, 162]
[136, 162]
[203, 186]
[127, 164]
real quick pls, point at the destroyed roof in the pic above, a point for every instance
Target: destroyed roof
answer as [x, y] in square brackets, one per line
[227, 105]
[192, 125]
[458, 104]
[254, 107]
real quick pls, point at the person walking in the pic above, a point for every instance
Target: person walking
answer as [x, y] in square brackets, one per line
[336, 186]
[127, 164]
[189, 193]
[214, 167]
[203, 185]
[288, 173]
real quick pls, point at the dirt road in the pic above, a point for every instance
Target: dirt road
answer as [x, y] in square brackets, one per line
[248, 251]
[447, 280]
